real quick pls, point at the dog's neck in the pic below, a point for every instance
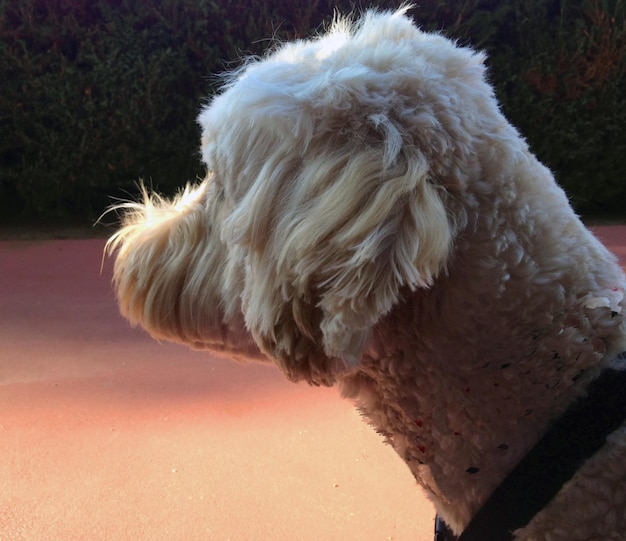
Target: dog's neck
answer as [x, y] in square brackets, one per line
[458, 443]
[461, 403]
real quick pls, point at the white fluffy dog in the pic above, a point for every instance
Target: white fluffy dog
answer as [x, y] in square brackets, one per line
[371, 219]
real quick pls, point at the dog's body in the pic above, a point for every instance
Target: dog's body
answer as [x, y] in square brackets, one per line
[371, 219]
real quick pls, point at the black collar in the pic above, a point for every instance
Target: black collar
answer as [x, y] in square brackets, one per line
[579, 433]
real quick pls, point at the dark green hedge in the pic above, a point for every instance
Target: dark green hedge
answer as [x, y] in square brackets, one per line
[98, 94]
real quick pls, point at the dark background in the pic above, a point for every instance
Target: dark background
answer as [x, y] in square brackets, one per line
[99, 94]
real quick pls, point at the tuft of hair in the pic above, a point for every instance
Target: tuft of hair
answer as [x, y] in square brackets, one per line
[163, 254]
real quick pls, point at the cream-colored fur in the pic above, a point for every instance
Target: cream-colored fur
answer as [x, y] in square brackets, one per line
[370, 218]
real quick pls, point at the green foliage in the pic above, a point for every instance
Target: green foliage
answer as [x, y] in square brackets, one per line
[99, 94]
[566, 92]
[96, 95]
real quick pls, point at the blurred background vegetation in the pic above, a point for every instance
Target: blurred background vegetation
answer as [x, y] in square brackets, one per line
[98, 94]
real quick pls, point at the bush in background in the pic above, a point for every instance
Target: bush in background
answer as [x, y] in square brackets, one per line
[99, 94]
[563, 84]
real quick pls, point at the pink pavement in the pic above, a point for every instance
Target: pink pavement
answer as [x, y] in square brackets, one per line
[108, 435]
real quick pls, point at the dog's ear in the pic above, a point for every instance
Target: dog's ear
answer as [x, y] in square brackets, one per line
[329, 237]
[387, 230]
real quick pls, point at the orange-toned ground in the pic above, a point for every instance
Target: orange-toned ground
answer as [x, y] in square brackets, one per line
[107, 435]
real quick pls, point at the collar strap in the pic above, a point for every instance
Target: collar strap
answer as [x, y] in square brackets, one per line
[577, 435]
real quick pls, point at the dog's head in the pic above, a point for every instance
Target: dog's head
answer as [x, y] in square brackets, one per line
[332, 164]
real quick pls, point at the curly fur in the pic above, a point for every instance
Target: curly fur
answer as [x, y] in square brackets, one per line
[371, 219]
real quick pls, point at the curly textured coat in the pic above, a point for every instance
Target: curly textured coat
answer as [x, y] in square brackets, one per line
[371, 219]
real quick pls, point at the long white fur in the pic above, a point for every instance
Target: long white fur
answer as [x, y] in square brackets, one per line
[370, 218]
